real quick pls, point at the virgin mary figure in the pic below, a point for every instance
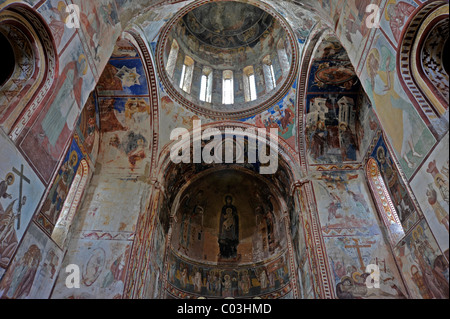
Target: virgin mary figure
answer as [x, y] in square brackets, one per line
[229, 230]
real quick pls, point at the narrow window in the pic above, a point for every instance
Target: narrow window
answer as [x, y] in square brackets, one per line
[249, 84]
[206, 85]
[269, 75]
[71, 204]
[187, 74]
[283, 57]
[384, 203]
[227, 91]
[172, 60]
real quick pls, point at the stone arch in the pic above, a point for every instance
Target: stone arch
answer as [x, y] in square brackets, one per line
[35, 67]
[421, 64]
[139, 270]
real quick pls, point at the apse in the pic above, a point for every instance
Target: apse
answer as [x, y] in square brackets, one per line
[226, 59]
[228, 236]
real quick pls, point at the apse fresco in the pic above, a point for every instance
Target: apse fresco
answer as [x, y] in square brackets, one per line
[187, 279]
[338, 120]
[222, 224]
[228, 217]
[231, 236]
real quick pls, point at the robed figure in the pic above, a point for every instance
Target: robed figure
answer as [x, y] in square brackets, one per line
[229, 230]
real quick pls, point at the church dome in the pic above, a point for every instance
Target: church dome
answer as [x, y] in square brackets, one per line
[227, 59]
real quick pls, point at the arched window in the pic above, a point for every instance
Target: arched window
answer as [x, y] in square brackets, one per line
[422, 69]
[71, 204]
[249, 84]
[172, 59]
[187, 74]
[269, 75]
[283, 57]
[8, 63]
[384, 203]
[228, 87]
[206, 85]
[28, 64]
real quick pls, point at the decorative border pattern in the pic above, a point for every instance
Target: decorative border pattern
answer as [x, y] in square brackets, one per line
[384, 203]
[51, 68]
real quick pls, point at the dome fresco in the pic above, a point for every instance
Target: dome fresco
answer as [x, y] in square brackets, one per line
[226, 59]
[228, 24]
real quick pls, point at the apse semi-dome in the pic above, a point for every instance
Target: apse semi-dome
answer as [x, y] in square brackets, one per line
[227, 59]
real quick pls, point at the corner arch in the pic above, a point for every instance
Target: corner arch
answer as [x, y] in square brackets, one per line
[36, 67]
[421, 70]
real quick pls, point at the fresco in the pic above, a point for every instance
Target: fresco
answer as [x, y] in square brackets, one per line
[124, 108]
[220, 224]
[52, 130]
[424, 266]
[87, 131]
[53, 204]
[395, 17]
[337, 119]
[350, 228]
[280, 116]
[353, 237]
[99, 23]
[20, 194]
[54, 11]
[408, 135]
[34, 268]
[430, 186]
[219, 282]
[103, 266]
[400, 197]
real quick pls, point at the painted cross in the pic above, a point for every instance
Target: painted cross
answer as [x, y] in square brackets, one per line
[358, 249]
[22, 178]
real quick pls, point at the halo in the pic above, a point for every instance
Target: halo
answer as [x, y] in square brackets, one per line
[80, 58]
[74, 153]
[418, 232]
[225, 198]
[379, 150]
[438, 175]
[376, 55]
[12, 176]
[386, 14]
[354, 276]
[346, 278]
[61, 6]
